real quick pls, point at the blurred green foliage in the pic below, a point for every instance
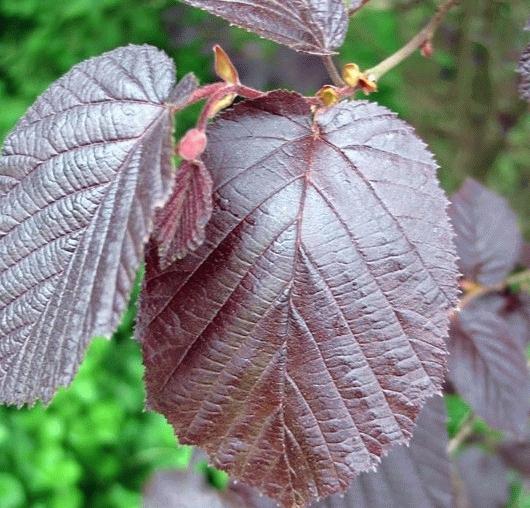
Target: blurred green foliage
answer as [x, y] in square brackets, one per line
[94, 445]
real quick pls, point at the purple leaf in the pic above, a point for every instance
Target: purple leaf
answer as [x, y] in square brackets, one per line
[305, 334]
[178, 489]
[516, 313]
[80, 177]
[179, 226]
[516, 453]
[183, 90]
[487, 364]
[415, 476]
[482, 480]
[487, 240]
[311, 26]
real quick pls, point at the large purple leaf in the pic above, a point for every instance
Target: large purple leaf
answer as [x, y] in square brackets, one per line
[487, 364]
[481, 480]
[311, 26]
[415, 476]
[305, 334]
[179, 226]
[488, 239]
[80, 177]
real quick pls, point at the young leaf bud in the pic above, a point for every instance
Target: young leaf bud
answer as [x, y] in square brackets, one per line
[351, 74]
[367, 85]
[329, 95]
[224, 67]
[426, 49]
[192, 145]
[221, 104]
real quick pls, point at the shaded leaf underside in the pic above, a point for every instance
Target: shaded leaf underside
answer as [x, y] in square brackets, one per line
[482, 479]
[415, 476]
[300, 341]
[311, 26]
[488, 366]
[488, 240]
[80, 177]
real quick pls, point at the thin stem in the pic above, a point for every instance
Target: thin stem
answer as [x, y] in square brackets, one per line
[465, 430]
[332, 70]
[521, 278]
[414, 44]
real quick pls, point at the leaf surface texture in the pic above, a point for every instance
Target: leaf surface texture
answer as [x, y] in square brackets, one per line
[311, 26]
[299, 342]
[80, 177]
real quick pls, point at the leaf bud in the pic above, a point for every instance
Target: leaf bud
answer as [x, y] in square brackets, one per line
[224, 68]
[351, 74]
[329, 95]
[192, 144]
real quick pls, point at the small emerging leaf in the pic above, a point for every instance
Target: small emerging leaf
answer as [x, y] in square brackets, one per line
[179, 226]
[224, 68]
[221, 104]
[183, 90]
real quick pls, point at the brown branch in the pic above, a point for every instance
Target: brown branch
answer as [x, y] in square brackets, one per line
[333, 72]
[424, 36]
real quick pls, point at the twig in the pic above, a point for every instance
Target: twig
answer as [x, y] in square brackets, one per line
[522, 278]
[415, 43]
[466, 429]
[332, 70]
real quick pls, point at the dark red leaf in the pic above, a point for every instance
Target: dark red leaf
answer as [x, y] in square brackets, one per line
[415, 476]
[424, 468]
[299, 342]
[487, 364]
[482, 480]
[311, 26]
[488, 240]
[80, 178]
[179, 226]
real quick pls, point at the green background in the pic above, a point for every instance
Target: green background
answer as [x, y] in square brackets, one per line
[94, 445]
